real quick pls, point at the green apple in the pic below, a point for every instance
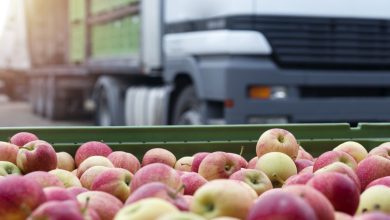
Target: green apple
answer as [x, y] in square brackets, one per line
[277, 166]
[66, 177]
[146, 209]
[356, 150]
[375, 198]
[256, 179]
[181, 216]
[8, 168]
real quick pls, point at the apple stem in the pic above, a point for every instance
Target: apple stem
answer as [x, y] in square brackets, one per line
[84, 209]
[179, 189]
[242, 150]
[277, 178]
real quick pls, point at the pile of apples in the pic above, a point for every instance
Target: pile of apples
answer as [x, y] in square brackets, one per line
[282, 181]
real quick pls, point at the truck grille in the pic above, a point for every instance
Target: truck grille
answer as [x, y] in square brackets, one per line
[323, 42]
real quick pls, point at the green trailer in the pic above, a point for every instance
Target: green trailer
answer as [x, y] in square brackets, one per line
[187, 140]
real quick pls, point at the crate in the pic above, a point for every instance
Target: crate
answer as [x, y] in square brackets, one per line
[117, 38]
[187, 140]
[101, 6]
[77, 10]
[77, 43]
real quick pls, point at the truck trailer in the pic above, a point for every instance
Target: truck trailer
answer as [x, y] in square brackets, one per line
[154, 62]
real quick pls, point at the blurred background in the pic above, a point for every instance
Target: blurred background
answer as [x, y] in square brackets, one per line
[162, 62]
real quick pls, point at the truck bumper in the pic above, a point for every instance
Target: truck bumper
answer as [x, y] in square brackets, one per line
[311, 95]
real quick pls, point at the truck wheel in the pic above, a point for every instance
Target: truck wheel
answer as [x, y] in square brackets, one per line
[109, 102]
[187, 109]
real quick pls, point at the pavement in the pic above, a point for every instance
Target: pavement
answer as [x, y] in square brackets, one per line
[19, 114]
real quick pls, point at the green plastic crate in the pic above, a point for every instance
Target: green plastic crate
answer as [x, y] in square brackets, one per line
[182, 140]
[117, 38]
[77, 43]
[77, 10]
[101, 6]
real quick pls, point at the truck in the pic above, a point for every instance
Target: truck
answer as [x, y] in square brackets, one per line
[155, 62]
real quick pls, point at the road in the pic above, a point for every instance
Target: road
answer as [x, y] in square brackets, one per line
[18, 114]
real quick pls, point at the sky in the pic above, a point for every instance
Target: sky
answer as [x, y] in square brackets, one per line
[3, 12]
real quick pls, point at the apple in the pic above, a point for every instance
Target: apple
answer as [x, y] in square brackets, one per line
[159, 155]
[184, 164]
[298, 179]
[156, 172]
[277, 166]
[256, 179]
[375, 198]
[241, 160]
[45, 179]
[342, 216]
[322, 207]
[371, 168]
[225, 218]
[381, 181]
[198, 158]
[8, 152]
[159, 190]
[89, 175]
[192, 182]
[93, 161]
[356, 150]
[55, 193]
[308, 169]
[252, 163]
[65, 161]
[76, 190]
[115, 181]
[91, 148]
[278, 204]
[58, 210]
[332, 157]
[104, 204]
[181, 216]
[18, 197]
[218, 165]
[66, 177]
[36, 156]
[302, 164]
[128, 161]
[343, 169]
[8, 168]
[220, 198]
[304, 155]
[277, 140]
[340, 190]
[146, 209]
[373, 216]
[22, 138]
[382, 150]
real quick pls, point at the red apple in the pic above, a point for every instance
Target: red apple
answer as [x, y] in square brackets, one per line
[66, 177]
[341, 191]
[92, 148]
[343, 169]
[36, 156]
[22, 138]
[298, 179]
[373, 216]
[277, 140]
[320, 204]
[65, 161]
[156, 172]
[356, 150]
[256, 179]
[302, 164]
[372, 168]
[342, 216]
[241, 160]
[55, 193]
[192, 182]
[159, 155]
[252, 163]
[18, 197]
[128, 161]
[104, 204]
[304, 155]
[308, 169]
[115, 181]
[8, 152]
[278, 204]
[58, 210]
[382, 150]
[198, 158]
[93, 161]
[89, 175]
[381, 181]
[184, 164]
[334, 156]
[146, 209]
[76, 190]
[159, 190]
[44, 179]
[218, 165]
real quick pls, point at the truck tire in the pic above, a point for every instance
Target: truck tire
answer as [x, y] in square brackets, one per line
[187, 108]
[109, 102]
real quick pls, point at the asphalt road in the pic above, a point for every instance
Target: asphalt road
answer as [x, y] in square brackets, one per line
[19, 114]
